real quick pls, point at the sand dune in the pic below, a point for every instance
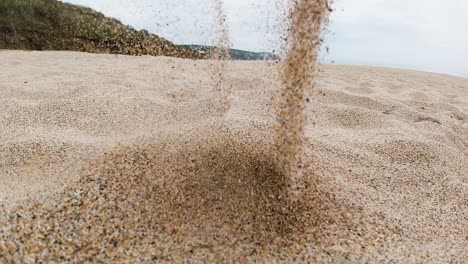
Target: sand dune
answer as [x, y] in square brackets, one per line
[129, 158]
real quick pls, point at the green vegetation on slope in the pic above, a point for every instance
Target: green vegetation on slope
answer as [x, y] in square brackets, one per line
[53, 25]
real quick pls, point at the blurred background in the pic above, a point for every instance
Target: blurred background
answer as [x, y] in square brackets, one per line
[426, 35]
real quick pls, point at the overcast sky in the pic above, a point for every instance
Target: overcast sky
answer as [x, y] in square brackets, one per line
[428, 35]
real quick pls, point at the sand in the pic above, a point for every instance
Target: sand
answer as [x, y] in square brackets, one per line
[123, 159]
[298, 69]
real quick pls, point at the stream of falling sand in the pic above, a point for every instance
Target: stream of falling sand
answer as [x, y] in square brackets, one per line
[305, 21]
[221, 53]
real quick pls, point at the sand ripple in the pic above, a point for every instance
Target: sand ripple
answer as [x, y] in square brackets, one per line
[134, 163]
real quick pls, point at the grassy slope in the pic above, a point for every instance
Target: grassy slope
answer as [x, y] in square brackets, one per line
[53, 25]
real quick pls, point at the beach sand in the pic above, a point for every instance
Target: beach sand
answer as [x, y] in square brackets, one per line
[120, 159]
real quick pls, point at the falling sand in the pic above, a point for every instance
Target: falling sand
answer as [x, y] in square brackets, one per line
[220, 54]
[304, 40]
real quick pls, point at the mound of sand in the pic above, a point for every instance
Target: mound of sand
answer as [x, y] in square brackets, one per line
[129, 158]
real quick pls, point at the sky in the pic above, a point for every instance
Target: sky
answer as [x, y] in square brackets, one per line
[427, 35]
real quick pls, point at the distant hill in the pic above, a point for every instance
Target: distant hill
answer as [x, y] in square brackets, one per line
[235, 54]
[53, 25]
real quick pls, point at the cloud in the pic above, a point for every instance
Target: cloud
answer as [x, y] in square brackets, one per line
[419, 34]
[252, 23]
